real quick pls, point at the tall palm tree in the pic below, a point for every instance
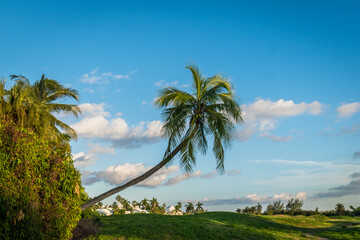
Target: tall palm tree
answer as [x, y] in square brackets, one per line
[134, 204]
[209, 110]
[189, 207]
[33, 106]
[154, 203]
[42, 102]
[177, 209]
[144, 203]
[199, 207]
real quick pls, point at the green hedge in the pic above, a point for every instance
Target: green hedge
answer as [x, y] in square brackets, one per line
[39, 187]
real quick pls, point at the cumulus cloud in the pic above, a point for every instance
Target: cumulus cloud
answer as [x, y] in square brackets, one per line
[254, 198]
[182, 177]
[122, 173]
[82, 160]
[96, 148]
[262, 116]
[93, 109]
[97, 125]
[348, 109]
[94, 77]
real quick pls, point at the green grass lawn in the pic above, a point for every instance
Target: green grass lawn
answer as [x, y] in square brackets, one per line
[227, 225]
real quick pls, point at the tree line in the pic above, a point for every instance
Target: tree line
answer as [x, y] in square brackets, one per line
[294, 207]
[150, 205]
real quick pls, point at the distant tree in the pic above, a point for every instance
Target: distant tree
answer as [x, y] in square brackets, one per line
[189, 207]
[134, 203]
[316, 212]
[277, 207]
[294, 206]
[120, 199]
[199, 208]
[340, 209]
[177, 208]
[127, 206]
[238, 210]
[154, 203]
[249, 210]
[355, 211]
[144, 204]
[258, 208]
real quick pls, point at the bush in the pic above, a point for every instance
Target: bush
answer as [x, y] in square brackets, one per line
[85, 228]
[39, 189]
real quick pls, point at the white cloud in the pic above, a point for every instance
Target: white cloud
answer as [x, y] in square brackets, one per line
[163, 83]
[182, 177]
[349, 109]
[122, 173]
[118, 131]
[82, 160]
[266, 109]
[93, 109]
[262, 116]
[96, 148]
[94, 77]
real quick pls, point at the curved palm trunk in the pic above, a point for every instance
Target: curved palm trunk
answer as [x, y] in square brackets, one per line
[135, 180]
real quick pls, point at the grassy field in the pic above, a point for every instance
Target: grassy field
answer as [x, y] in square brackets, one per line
[226, 225]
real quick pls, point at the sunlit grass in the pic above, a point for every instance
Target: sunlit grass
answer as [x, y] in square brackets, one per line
[226, 225]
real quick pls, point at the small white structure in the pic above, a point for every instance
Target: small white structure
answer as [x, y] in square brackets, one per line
[103, 211]
[137, 209]
[169, 209]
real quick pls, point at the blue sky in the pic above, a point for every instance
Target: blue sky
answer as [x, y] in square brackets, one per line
[295, 67]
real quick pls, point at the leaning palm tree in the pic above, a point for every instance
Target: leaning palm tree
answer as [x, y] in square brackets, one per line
[209, 110]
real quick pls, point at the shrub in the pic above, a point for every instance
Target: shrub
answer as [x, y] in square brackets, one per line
[39, 189]
[85, 228]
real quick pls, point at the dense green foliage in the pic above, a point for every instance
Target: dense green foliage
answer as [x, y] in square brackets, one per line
[39, 189]
[209, 110]
[32, 106]
[226, 225]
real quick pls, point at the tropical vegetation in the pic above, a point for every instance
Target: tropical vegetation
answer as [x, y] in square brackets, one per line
[40, 190]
